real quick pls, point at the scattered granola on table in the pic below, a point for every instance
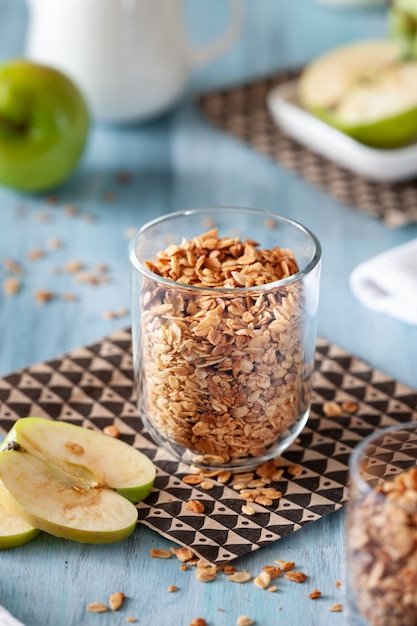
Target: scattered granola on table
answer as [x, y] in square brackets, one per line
[223, 373]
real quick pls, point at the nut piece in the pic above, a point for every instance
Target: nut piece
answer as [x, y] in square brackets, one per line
[12, 266]
[274, 572]
[199, 621]
[183, 554]
[314, 594]
[173, 588]
[336, 608]
[206, 574]
[248, 510]
[295, 469]
[116, 600]
[244, 621]
[195, 505]
[111, 431]
[263, 580]
[350, 407]
[42, 296]
[11, 286]
[97, 607]
[285, 566]
[192, 479]
[240, 577]
[332, 409]
[35, 255]
[159, 554]
[297, 577]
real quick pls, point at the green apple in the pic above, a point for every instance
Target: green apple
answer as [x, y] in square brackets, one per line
[44, 124]
[402, 25]
[14, 531]
[74, 482]
[366, 91]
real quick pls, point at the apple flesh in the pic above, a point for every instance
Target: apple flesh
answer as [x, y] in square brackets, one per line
[44, 124]
[14, 531]
[366, 91]
[73, 482]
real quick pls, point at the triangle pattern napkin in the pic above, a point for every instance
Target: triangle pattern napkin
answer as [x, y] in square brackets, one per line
[93, 386]
[242, 112]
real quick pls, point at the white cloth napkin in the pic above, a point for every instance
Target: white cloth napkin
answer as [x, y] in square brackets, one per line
[8, 620]
[388, 282]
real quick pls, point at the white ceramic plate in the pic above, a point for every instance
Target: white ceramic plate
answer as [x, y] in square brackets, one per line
[378, 165]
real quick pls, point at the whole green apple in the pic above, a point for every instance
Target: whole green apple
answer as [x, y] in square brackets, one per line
[44, 124]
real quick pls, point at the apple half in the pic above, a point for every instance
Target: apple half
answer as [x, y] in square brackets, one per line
[14, 531]
[73, 482]
[366, 91]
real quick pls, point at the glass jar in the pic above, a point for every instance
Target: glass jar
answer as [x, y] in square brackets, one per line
[223, 359]
[381, 559]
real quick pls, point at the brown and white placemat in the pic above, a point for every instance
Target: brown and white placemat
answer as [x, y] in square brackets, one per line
[93, 386]
[242, 112]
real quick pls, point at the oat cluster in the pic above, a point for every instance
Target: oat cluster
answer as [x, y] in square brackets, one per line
[383, 552]
[222, 373]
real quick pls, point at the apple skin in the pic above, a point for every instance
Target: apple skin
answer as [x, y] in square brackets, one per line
[14, 531]
[44, 126]
[390, 133]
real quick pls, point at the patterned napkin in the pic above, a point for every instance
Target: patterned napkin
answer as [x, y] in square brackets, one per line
[93, 386]
[242, 112]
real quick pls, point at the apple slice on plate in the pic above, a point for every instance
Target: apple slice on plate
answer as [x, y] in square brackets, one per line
[365, 90]
[74, 482]
[14, 531]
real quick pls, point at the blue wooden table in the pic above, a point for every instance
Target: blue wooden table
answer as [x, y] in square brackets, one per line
[177, 162]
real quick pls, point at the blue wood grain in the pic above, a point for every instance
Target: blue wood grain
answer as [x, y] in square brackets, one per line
[176, 162]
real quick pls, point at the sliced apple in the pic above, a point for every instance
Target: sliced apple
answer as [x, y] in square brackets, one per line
[14, 531]
[90, 454]
[73, 482]
[366, 91]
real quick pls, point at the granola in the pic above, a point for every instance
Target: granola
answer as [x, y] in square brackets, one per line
[382, 549]
[222, 374]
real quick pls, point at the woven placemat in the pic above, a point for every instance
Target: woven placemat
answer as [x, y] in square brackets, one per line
[242, 112]
[93, 386]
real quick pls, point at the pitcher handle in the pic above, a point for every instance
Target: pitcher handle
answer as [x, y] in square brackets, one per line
[201, 56]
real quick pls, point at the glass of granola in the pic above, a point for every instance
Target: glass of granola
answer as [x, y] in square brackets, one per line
[381, 529]
[224, 310]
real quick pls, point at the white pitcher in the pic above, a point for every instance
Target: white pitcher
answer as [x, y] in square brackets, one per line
[131, 58]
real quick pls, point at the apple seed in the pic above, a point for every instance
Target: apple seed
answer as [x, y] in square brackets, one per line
[75, 448]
